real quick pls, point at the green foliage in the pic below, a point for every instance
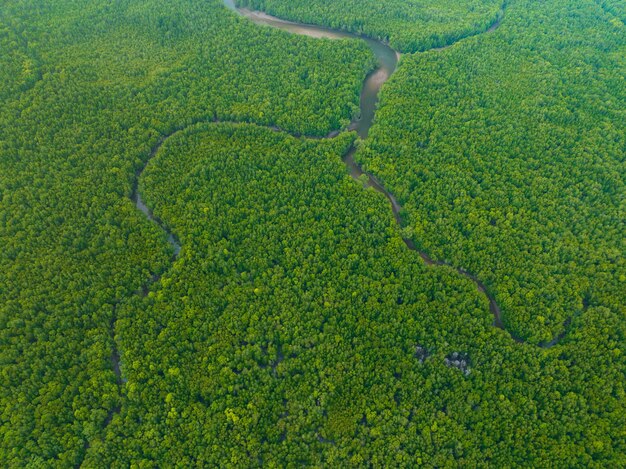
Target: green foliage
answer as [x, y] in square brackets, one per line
[19, 70]
[616, 8]
[408, 25]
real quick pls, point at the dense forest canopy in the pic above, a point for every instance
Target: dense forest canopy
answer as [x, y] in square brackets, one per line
[617, 8]
[107, 80]
[294, 328]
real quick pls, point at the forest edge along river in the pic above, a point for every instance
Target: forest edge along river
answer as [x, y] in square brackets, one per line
[387, 59]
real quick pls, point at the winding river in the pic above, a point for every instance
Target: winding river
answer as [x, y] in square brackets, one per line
[387, 62]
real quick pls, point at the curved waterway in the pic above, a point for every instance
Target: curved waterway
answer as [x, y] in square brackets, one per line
[139, 203]
[387, 62]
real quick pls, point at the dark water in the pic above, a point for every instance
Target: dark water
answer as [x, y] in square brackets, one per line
[139, 203]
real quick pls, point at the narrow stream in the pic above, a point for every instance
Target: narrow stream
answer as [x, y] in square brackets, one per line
[139, 203]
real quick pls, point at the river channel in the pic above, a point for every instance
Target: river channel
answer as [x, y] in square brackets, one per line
[387, 59]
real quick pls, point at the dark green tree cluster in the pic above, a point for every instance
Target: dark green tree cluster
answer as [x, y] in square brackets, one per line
[19, 69]
[507, 153]
[616, 8]
[408, 25]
